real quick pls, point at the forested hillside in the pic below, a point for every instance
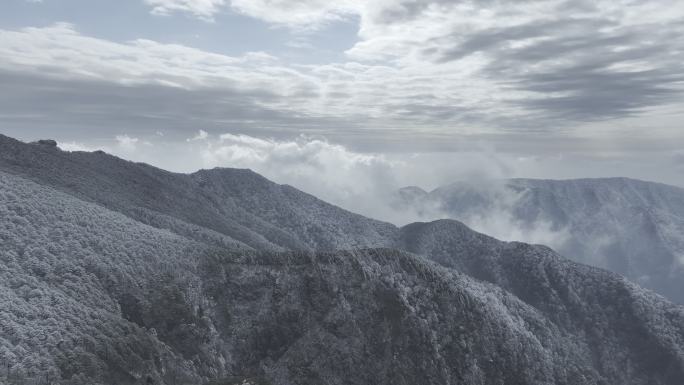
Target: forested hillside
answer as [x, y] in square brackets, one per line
[228, 206]
[97, 288]
[74, 279]
[631, 227]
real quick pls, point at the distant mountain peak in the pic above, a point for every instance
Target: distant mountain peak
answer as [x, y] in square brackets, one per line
[629, 226]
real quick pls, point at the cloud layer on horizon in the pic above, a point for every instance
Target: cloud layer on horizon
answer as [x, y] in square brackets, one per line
[597, 84]
[364, 182]
[427, 66]
[575, 60]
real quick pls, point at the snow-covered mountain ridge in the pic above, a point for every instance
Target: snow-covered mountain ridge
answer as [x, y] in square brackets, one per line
[113, 272]
[631, 227]
[241, 205]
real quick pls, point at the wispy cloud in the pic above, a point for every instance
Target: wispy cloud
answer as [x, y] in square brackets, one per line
[76, 146]
[201, 135]
[315, 165]
[358, 181]
[413, 67]
[305, 14]
[203, 9]
[600, 78]
[127, 143]
[537, 61]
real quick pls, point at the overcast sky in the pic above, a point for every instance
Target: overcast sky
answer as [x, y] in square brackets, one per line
[341, 97]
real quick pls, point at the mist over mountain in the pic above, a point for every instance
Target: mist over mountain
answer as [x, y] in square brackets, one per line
[631, 227]
[115, 272]
[212, 192]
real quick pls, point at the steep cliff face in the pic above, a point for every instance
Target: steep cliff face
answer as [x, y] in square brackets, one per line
[97, 288]
[631, 227]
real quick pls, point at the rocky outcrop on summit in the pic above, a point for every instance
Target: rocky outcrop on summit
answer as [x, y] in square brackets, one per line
[46, 142]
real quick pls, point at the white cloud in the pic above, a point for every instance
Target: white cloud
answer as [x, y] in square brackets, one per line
[391, 95]
[524, 60]
[61, 51]
[500, 221]
[76, 146]
[127, 143]
[356, 181]
[298, 14]
[330, 170]
[408, 89]
[423, 76]
[201, 135]
[361, 182]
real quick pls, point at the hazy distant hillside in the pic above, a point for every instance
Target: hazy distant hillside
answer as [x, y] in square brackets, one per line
[101, 288]
[628, 226]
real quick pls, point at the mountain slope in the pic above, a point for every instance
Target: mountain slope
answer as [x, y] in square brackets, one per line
[95, 289]
[579, 299]
[316, 224]
[112, 298]
[218, 204]
[628, 226]
[67, 270]
[385, 317]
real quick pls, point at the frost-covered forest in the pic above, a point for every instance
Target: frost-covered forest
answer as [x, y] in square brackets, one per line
[113, 272]
[628, 226]
[66, 268]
